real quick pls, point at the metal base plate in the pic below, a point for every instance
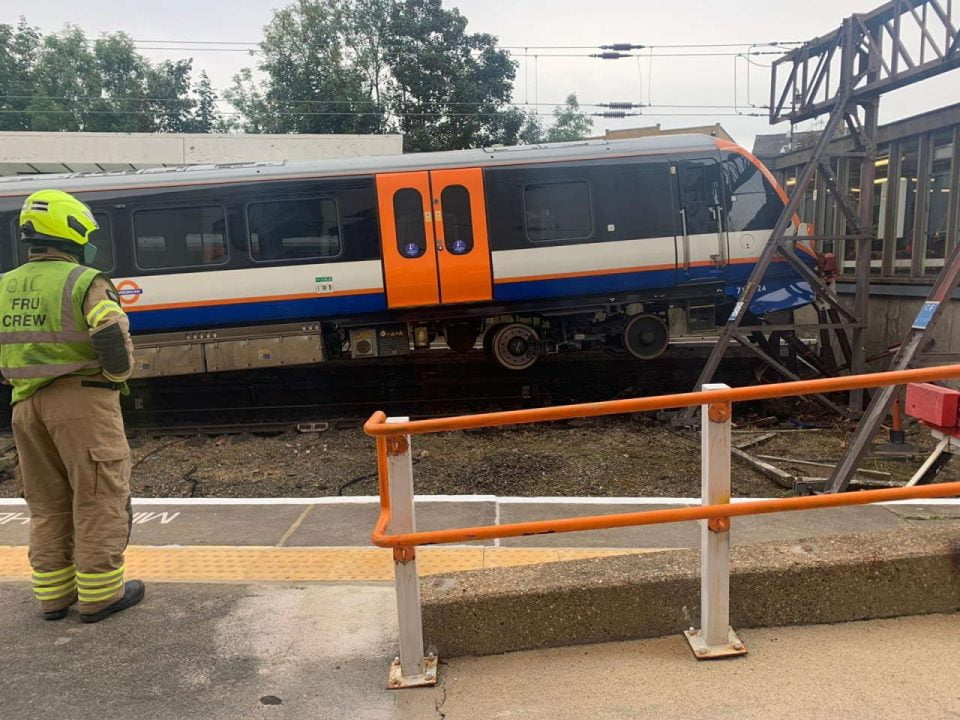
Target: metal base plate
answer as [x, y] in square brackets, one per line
[702, 651]
[397, 681]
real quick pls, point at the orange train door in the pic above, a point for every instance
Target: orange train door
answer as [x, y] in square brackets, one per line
[434, 237]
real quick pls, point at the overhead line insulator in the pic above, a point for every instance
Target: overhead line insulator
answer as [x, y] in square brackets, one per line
[614, 114]
[610, 55]
[622, 46]
[621, 105]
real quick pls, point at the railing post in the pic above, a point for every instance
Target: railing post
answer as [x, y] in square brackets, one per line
[411, 668]
[715, 638]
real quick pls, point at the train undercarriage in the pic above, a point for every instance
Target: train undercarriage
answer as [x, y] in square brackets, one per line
[514, 341]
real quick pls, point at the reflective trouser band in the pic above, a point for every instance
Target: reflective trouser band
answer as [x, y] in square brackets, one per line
[94, 587]
[42, 578]
[54, 592]
[100, 593]
[99, 578]
[54, 584]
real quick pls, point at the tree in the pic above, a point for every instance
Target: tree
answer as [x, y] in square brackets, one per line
[366, 33]
[119, 105]
[168, 103]
[60, 83]
[311, 87]
[569, 122]
[374, 65]
[65, 78]
[18, 54]
[453, 88]
[206, 118]
[531, 132]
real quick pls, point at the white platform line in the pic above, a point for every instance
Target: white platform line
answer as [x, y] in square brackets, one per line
[546, 500]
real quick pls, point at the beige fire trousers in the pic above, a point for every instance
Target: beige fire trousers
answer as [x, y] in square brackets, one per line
[75, 464]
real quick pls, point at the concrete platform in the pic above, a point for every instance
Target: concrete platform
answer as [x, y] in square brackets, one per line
[286, 630]
[347, 522]
[320, 652]
[912, 570]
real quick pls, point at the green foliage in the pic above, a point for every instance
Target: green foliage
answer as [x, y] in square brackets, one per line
[377, 65]
[311, 86]
[531, 133]
[64, 76]
[168, 91]
[453, 88]
[63, 82]
[569, 122]
[205, 118]
[324, 66]
[18, 54]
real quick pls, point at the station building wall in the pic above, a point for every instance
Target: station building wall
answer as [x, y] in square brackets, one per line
[916, 216]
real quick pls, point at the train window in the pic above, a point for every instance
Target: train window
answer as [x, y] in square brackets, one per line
[180, 237]
[699, 183]
[633, 201]
[294, 229]
[558, 211]
[754, 203]
[101, 238]
[411, 231]
[457, 219]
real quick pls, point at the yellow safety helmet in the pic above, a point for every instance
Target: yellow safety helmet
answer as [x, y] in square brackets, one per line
[58, 216]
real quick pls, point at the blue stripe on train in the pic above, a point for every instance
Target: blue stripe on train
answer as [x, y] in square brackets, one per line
[782, 289]
[256, 312]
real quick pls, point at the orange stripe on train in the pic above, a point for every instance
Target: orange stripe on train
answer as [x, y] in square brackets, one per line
[622, 271]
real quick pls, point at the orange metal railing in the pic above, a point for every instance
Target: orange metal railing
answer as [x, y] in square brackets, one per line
[391, 440]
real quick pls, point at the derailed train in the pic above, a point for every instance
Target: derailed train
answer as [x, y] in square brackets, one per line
[529, 249]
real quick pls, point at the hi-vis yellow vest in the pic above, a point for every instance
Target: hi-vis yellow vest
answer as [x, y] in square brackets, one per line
[43, 332]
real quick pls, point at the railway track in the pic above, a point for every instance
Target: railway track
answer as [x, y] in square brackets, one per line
[344, 394]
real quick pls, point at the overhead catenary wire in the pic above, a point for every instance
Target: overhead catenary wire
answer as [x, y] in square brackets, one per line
[615, 105]
[343, 113]
[309, 107]
[255, 47]
[603, 55]
[772, 43]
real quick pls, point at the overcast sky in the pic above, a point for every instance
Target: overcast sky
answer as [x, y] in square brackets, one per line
[526, 23]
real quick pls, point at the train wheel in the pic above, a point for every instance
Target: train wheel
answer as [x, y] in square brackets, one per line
[513, 346]
[646, 337]
[461, 337]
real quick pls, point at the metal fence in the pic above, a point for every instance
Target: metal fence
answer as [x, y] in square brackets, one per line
[396, 526]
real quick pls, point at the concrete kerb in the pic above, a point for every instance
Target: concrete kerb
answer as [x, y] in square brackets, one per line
[911, 571]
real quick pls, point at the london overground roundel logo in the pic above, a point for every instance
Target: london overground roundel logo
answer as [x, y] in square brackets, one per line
[129, 292]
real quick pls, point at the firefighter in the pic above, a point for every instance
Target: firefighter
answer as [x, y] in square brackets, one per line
[65, 348]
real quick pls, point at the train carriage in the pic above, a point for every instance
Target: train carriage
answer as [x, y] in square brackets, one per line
[529, 249]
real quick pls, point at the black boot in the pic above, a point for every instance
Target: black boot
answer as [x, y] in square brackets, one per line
[132, 594]
[58, 614]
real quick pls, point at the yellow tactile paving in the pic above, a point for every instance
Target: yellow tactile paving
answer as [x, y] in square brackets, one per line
[507, 557]
[242, 564]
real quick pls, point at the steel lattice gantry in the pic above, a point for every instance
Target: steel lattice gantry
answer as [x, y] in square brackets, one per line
[843, 74]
